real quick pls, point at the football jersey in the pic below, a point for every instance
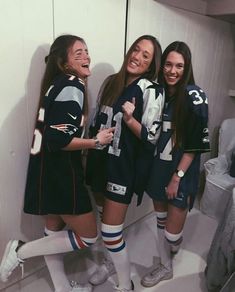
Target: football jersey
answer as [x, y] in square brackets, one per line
[114, 170]
[167, 157]
[55, 177]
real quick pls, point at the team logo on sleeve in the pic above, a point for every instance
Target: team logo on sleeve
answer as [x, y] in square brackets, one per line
[65, 128]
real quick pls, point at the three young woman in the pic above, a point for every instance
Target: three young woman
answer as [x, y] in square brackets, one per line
[129, 116]
[55, 182]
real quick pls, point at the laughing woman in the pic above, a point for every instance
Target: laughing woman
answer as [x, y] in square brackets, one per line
[55, 187]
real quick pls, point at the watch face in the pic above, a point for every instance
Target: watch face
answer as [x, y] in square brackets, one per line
[180, 173]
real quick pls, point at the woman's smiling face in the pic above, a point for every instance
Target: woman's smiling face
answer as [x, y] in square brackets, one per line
[79, 60]
[173, 68]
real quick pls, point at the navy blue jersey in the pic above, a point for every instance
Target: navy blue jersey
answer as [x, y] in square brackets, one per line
[167, 157]
[113, 170]
[55, 177]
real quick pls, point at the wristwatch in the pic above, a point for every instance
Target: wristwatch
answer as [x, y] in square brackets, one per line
[98, 146]
[179, 172]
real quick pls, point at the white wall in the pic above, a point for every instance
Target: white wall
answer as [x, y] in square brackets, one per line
[198, 6]
[23, 47]
[28, 28]
[211, 42]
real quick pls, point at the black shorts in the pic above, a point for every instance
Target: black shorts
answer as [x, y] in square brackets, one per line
[96, 178]
[182, 201]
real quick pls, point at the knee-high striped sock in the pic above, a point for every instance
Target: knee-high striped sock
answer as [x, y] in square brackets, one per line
[113, 240]
[59, 242]
[174, 240]
[164, 247]
[55, 265]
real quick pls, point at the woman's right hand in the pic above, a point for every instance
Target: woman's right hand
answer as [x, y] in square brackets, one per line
[105, 136]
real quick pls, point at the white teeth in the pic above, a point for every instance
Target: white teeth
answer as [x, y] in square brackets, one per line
[133, 63]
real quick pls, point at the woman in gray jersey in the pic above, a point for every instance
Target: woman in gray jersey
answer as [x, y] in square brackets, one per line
[132, 103]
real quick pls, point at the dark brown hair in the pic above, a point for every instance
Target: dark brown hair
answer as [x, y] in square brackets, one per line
[55, 63]
[116, 82]
[181, 109]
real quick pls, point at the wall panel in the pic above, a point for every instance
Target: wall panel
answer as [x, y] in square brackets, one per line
[23, 47]
[102, 25]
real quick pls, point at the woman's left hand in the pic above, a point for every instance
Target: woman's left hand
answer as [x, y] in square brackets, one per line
[172, 188]
[128, 109]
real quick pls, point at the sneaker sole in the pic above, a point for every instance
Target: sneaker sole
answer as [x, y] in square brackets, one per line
[147, 285]
[6, 252]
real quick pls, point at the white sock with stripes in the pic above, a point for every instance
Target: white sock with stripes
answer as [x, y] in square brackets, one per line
[113, 240]
[163, 245]
[174, 240]
[55, 265]
[60, 242]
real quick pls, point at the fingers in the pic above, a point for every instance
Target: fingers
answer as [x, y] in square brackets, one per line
[133, 100]
[112, 129]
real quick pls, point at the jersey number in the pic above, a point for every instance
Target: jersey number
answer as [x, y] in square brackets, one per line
[166, 153]
[37, 136]
[108, 112]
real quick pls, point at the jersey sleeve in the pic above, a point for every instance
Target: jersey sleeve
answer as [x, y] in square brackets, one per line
[153, 102]
[196, 133]
[64, 117]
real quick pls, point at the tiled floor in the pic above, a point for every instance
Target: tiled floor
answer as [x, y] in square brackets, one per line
[188, 264]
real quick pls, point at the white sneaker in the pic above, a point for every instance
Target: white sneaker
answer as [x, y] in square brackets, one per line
[158, 274]
[102, 273]
[119, 289]
[81, 287]
[10, 260]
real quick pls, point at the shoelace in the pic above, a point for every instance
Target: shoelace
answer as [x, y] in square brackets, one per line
[108, 264]
[156, 271]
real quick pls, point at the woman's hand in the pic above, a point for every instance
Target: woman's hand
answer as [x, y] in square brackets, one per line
[105, 136]
[128, 109]
[172, 188]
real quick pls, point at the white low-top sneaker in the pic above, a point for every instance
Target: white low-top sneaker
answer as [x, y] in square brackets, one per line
[119, 289]
[102, 273]
[10, 260]
[156, 275]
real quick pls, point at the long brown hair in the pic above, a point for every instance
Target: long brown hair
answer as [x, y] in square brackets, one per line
[55, 63]
[116, 82]
[181, 110]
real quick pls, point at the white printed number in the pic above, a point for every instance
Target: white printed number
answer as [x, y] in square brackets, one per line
[198, 98]
[108, 111]
[166, 153]
[37, 136]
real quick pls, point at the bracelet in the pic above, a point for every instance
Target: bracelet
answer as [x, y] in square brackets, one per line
[98, 146]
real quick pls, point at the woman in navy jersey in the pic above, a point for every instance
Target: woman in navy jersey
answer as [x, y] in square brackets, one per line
[55, 182]
[131, 102]
[174, 179]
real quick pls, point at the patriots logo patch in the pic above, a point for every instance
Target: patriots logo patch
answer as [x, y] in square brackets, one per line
[65, 128]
